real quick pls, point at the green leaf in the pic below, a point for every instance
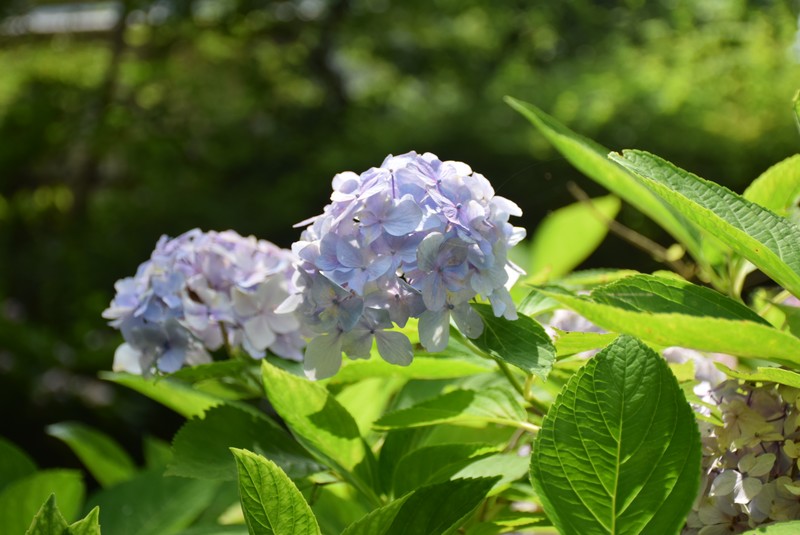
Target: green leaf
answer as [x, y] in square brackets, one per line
[763, 374]
[779, 528]
[569, 342]
[619, 450]
[103, 457]
[90, 525]
[713, 326]
[492, 405]
[513, 521]
[592, 160]
[522, 343]
[23, 498]
[422, 367]
[567, 236]
[227, 379]
[433, 510]
[157, 453]
[323, 426]
[201, 448]
[660, 295]
[151, 504]
[435, 464]
[366, 401]
[182, 399]
[770, 242]
[14, 463]
[778, 188]
[48, 521]
[506, 467]
[271, 502]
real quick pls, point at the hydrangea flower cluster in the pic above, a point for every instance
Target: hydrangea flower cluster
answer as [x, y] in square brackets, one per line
[202, 290]
[414, 238]
[751, 464]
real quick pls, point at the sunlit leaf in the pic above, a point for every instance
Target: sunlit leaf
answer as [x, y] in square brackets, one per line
[770, 242]
[619, 450]
[271, 502]
[567, 236]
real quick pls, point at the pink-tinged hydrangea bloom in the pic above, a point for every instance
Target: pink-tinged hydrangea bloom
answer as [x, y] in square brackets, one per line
[414, 238]
[751, 474]
[202, 290]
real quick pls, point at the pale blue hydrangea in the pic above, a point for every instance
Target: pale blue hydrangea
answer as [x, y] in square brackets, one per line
[414, 238]
[202, 290]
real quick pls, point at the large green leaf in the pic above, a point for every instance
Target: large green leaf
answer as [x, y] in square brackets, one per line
[103, 457]
[770, 242]
[151, 504]
[778, 188]
[201, 448]
[492, 405]
[181, 398]
[522, 343]
[619, 450]
[592, 160]
[50, 521]
[672, 312]
[433, 510]
[572, 342]
[567, 236]
[323, 426]
[14, 463]
[23, 498]
[271, 502]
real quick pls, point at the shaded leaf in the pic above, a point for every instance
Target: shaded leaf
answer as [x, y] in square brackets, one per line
[435, 464]
[103, 457]
[201, 448]
[522, 343]
[492, 405]
[14, 463]
[151, 504]
[432, 510]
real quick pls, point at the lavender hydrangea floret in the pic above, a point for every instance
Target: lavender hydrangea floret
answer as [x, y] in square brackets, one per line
[414, 238]
[200, 291]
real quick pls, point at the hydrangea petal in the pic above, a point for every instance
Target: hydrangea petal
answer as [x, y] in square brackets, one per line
[323, 356]
[394, 347]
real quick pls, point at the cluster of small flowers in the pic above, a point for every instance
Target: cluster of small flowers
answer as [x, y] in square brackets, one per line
[413, 238]
[199, 291]
[751, 464]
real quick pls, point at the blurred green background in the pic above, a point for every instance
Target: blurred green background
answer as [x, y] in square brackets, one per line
[120, 121]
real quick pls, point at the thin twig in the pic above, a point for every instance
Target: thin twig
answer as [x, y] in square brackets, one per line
[659, 253]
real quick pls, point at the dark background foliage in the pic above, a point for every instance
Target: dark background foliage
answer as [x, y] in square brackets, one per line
[236, 114]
